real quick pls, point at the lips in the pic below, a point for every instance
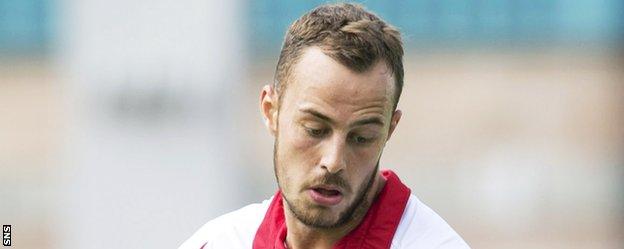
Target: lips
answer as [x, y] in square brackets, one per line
[325, 195]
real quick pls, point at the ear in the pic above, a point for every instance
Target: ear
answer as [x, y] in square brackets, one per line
[269, 108]
[394, 121]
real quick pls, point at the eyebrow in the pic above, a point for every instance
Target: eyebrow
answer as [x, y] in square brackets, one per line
[318, 115]
[371, 120]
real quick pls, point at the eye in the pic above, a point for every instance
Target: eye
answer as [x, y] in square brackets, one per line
[315, 132]
[361, 140]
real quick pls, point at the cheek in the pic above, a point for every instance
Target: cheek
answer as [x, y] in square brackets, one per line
[296, 140]
[367, 155]
[296, 152]
[363, 161]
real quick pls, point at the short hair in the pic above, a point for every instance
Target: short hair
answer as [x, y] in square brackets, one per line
[347, 33]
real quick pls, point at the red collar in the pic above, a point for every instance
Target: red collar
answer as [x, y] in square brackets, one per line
[375, 231]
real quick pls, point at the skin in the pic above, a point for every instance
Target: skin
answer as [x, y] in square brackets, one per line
[331, 128]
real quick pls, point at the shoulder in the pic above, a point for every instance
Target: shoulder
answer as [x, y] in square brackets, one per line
[239, 226]
[421, 227]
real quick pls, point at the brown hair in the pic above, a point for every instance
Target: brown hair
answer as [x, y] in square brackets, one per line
[348, 34]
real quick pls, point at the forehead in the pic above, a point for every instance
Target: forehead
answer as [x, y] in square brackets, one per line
[320, 79]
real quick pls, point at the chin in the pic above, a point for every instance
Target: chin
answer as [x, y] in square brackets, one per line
[322, 220]
[318, 216]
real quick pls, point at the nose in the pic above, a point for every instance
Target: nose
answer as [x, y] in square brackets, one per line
[334, 157]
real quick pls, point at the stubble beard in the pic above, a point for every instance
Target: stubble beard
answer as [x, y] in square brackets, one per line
[310, 218]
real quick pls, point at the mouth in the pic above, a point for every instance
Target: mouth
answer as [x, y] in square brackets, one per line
[325, 195]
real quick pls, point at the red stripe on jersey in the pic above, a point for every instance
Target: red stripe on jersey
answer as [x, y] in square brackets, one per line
[375, 231]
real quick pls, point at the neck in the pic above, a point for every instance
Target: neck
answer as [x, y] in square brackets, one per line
[301, 236]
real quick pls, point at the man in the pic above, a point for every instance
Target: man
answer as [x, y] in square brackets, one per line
[331, 110]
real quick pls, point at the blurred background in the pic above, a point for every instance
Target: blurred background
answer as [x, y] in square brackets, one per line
[129, 124]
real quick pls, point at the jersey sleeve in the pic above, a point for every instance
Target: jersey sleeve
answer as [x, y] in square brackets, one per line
[233, 230]
[421, 227]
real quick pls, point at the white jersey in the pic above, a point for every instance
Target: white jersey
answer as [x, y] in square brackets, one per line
[420, 227]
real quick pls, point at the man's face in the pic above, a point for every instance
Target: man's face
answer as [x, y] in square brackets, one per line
[330, 129]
